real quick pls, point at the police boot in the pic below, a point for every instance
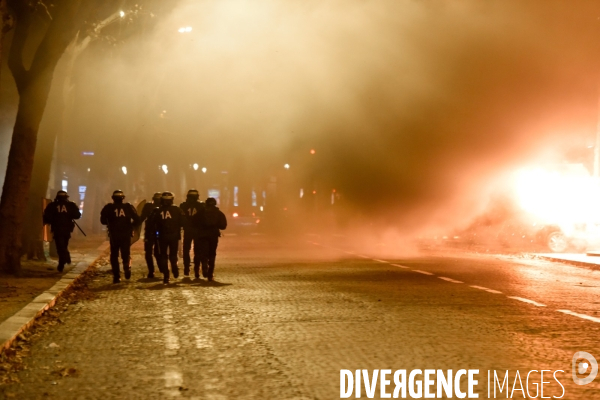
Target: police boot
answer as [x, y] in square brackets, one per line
[186, 270]
[197, 271]
[166, 276]
[127, 269]
[116, 278]
[175, 271]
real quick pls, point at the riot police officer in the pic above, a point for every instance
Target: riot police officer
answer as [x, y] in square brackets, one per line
[210, 223]
[168, 220]
[60, 215]
[150, 243]
[191, 208]
[120, 218]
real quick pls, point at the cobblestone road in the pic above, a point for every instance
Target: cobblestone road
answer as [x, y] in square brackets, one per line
[283, 318]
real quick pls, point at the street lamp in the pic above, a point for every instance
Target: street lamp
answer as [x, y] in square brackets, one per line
[165, 169]
[203, 170]
[124, 169]
[185, 29]
[195, 167]
[122, 13]
[286, 166]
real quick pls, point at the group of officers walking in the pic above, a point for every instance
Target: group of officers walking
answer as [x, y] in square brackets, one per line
[201, 223]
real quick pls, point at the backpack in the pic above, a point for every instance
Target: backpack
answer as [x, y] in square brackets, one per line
[211, 219]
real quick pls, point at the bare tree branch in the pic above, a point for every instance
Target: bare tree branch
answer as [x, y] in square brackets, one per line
[15, 56]
[45, 8]
[57, 38]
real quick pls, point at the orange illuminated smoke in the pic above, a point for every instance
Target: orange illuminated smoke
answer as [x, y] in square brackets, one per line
[565, 194]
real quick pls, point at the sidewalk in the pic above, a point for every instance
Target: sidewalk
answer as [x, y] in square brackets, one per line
[579, 259]
[24, 298]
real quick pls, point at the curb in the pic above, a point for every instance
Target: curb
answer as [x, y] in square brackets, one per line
[571, 262]
[22, 320]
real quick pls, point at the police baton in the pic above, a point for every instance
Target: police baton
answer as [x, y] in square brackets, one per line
[79, 228]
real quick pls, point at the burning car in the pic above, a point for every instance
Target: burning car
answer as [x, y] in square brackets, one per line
[555, 208]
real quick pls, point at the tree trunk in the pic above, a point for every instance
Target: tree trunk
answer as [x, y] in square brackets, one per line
[18, 171]
[33, 86]
[50, 126]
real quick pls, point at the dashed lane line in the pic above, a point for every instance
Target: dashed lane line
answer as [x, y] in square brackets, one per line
[422, 272]
[524, 300]
[381, 261]
[486, 289]
[582, 316]
[535, 303]
[449, 279]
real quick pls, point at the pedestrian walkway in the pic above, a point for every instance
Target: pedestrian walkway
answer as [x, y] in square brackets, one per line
[39, 289]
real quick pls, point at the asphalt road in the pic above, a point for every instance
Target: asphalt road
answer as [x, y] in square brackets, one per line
[285, 316]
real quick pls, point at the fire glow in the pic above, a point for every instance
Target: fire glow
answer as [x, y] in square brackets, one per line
[565, 195]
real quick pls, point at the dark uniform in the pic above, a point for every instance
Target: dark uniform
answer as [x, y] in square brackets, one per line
[191, 209]
[150, 243]
[120, 218]
[210, 223]
[168, 220]
[60, 215]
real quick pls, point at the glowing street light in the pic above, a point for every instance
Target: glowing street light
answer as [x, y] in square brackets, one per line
[185, 29]
[312, 151]
[195, 167]
[165, 169]
[203, 170]
[286, 166]
[124, 169]
[122, 13]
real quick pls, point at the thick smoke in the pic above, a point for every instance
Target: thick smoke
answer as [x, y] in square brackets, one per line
[414, 107]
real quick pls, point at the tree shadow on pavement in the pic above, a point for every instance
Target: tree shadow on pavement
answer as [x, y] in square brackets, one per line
[149, 280]
[110, 287]
[204, 283]
[161, 286]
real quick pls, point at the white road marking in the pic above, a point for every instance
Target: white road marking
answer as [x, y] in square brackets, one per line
[450, 279]
[400, 266]
[582, 316]
[535, 303]
[173, 377]
[422, 272]
[191, 298]
[381, 261]
[486, 289]
[203, 342]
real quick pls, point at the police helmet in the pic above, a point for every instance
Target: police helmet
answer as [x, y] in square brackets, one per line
[118, 195]
[61, 195]
[166, 199]
[211, 201]
[156, 196]
[193, 194]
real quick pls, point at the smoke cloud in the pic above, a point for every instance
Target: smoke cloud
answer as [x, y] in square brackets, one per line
[414, 108]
